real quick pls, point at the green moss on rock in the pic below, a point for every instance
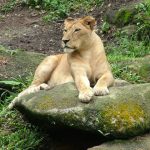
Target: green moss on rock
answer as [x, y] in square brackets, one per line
[124, 16]
[122, 117]
[121, 17]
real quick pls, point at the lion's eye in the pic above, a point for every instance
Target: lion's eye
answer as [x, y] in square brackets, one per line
[76, 30]
[65, 30]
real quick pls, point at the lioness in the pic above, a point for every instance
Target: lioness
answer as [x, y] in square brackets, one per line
[84, 62]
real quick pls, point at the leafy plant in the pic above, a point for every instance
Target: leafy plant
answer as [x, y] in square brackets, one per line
[15, 133]
[10, 82]
[59, 9]
[128, 47]
[142, 20]
[8, 87]
[125, 73]
[124, 50]
[105, 27]
[9, 6]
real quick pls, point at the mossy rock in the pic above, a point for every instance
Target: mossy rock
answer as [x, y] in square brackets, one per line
[122, 114]
[137, 143]
[140, 67]
[122, 16]
[129, 30]
[15, 63]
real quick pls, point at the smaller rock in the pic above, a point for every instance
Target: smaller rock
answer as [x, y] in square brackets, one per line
[141, 66]
[138, 67]
[119, 82]
[14, 63]
[137, 143]
[129, 30]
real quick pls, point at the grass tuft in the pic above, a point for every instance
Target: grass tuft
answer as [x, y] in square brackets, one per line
[15, 133]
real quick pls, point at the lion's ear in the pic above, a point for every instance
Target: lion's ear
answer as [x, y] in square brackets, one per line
[68, 21]
[89, 22]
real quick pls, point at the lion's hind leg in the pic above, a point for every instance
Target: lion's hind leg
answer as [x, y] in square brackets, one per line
[42, 75]
[29, 90]
[44, 70]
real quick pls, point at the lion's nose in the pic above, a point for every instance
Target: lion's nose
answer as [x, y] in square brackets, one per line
[65, 41]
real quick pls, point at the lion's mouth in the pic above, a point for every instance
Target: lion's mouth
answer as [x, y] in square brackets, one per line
[68, 49]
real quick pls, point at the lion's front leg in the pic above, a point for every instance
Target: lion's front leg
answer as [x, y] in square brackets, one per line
[83, 86]
[101, 87]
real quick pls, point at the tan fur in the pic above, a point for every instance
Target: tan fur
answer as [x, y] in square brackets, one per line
[83, 63]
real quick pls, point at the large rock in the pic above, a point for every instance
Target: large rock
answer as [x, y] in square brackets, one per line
[14, 63]
[123, 113]
[138, 143]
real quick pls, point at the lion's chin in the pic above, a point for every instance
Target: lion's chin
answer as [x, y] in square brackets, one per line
[68, 50]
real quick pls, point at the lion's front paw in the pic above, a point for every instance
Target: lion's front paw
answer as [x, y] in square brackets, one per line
[99, 91]
[44, 86]
[86, 96]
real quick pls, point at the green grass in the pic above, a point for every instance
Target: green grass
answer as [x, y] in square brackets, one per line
[125, 49]
[126, 73]
[15, 133]
[9, 6]
[122, 53]
[128, 47]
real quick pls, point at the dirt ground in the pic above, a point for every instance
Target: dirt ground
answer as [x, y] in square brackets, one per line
[24, 28]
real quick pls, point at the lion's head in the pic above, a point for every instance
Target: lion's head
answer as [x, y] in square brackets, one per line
[77, 33]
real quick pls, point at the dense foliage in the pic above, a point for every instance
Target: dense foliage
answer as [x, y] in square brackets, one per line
[60, 9]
